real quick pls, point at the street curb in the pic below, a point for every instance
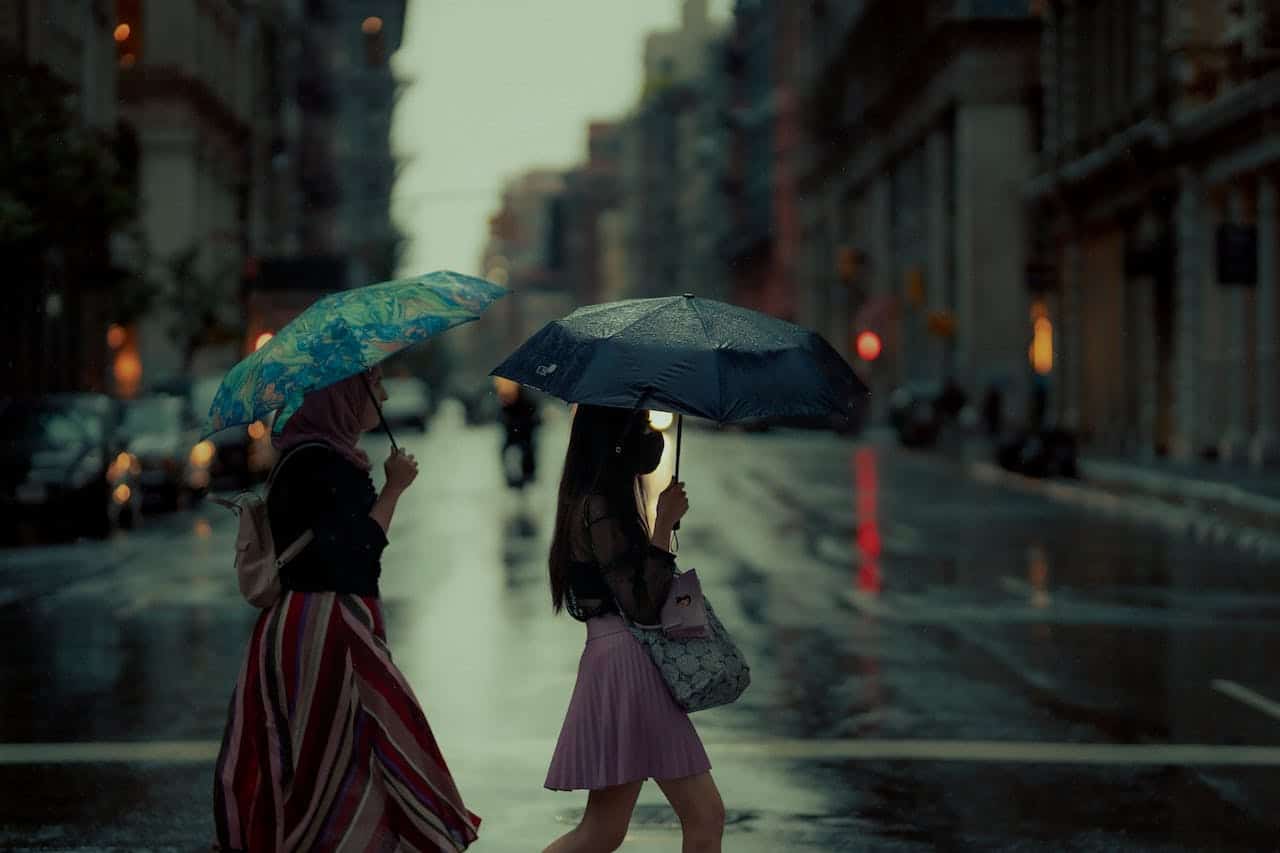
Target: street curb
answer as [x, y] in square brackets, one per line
[1194, 523]
[1182, 490]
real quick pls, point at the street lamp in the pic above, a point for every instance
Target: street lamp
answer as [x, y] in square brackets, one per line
[661, 421]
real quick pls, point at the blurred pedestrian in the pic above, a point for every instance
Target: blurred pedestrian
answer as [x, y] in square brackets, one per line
[326, 747]
[993, 410]
[952, 399]
[622, 725]
[1039, 402]
[519, 452]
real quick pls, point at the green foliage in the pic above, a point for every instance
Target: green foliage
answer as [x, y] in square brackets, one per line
[61, 185]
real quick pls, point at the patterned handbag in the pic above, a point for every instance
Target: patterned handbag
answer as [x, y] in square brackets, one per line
[701, 671]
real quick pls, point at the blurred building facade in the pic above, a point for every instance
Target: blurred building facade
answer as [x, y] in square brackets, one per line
[705, 138]
[56, 306]
[328, 158]
[264, 160]
[186, 89]
[73, 38]
[346, 95]
[591, 189]
[762, 237]
[1068, 205]
[1156, 201]
[526, 234]
[668, 172]
[921, 132]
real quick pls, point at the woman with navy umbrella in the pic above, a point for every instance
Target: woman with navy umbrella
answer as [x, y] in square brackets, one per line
[622, 725]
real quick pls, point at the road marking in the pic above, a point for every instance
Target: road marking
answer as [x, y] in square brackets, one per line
[871, 604]
[1009, 752]
[954, 751]
[111, 752]
[1243, 694]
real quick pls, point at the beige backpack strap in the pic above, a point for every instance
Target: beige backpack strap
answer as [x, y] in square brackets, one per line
[307, 535]
[231, 505]
[285, 458]
[296, 548]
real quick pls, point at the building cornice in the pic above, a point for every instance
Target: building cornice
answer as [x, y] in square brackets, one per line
[1188, 136]
[932, 81]
[169, 82]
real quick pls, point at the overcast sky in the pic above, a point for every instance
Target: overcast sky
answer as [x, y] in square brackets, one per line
[495, 87]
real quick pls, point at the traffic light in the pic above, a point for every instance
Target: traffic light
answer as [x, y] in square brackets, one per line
[869, 346]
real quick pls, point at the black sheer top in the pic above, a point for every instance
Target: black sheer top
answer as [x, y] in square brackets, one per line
[318, 489]
[613, 565]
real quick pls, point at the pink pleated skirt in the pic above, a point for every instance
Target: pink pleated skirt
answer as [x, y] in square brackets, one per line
[622, 724]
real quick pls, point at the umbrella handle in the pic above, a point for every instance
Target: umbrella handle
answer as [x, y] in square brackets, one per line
[385, 428]
[679, 437]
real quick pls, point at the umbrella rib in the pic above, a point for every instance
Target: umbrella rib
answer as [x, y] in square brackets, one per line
[644, 316]
[702, 321]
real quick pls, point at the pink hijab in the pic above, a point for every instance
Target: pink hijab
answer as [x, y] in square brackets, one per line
[331, 416]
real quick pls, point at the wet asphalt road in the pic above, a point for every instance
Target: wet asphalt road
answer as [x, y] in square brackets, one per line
[937, 664]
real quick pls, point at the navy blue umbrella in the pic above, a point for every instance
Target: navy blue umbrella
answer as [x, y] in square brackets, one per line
[691, 356]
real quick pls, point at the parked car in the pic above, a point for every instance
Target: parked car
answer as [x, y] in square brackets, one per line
[163, 435]
[62, 465]
[850, 425]
[1047, 453]
[241, 455]
[915, 413]
[408, 402]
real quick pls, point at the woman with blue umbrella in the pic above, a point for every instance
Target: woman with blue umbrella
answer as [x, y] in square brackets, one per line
[326, 746]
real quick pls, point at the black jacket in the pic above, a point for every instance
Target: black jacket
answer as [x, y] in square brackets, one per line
[320, 490]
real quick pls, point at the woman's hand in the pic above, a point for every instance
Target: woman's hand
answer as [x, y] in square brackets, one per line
[673, 503]
[401, 469]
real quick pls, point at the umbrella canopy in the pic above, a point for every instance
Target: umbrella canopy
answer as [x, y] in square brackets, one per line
[341, 335]
[688, 355]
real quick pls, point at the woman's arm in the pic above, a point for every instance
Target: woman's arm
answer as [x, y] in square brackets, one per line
[385, 507]
[401, 470]
[639, 576]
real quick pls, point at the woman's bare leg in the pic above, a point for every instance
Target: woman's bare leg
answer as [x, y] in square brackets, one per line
[697, 803]
[604, 823]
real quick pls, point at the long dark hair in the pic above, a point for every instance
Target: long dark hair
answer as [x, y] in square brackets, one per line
[593, 466]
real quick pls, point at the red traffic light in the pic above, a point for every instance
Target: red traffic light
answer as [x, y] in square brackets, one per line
[868, 346]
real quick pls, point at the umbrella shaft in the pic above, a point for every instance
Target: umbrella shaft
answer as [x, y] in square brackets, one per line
[385, 428]
[679, 437]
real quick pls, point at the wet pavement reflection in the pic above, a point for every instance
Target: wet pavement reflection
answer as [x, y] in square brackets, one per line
[879, 594]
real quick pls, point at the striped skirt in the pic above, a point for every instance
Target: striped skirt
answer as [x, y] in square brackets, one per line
[622, 724]
[326, 748]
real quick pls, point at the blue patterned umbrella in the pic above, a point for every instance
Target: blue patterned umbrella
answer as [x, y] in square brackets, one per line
[341, 335]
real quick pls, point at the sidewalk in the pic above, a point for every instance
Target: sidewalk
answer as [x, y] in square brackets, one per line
[1221, 504]
[1255, 495]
